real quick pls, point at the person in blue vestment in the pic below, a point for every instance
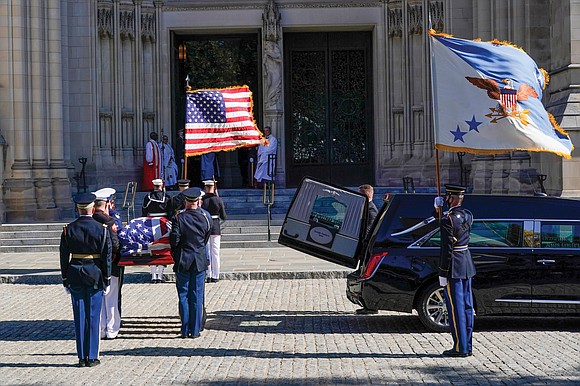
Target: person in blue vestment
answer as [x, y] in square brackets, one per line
[456, 269]
[190, 231]
[210, 169]
[85, 264]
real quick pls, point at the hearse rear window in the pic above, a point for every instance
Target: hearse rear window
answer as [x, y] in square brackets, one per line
[560, 235]
[328, 211]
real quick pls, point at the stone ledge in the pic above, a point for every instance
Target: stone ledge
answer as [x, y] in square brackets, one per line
[136, 278]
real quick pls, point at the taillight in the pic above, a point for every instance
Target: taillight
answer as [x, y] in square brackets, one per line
[372, 265]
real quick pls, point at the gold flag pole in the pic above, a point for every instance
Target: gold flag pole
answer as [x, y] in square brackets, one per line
[438, 180]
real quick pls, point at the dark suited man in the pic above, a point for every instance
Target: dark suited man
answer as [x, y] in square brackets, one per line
[85, 264]
[456, 268]
[189, 233]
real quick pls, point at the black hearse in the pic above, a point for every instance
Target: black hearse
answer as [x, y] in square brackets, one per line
[526, 250]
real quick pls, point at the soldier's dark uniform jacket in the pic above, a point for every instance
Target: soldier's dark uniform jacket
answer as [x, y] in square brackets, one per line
[215, 206]
[110, 222]
[117, 217]
[190, 231]
[156, 203]
[85, 254]
[455, 261]
[177, 203]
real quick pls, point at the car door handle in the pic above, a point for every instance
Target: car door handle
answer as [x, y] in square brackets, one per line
[546, 261]
[289, 235]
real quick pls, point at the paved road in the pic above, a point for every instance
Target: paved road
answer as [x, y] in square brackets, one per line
[273, 332]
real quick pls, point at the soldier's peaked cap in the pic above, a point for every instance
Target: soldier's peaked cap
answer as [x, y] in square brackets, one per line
[85, 200]
[105, 194]
[208, 182]
[454, 189]
[192, 194]
[183, 182]
[157, 182]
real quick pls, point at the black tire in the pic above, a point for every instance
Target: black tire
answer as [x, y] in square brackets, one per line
[432, 310]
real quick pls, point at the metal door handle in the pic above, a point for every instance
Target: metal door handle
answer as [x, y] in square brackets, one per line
[544, 261]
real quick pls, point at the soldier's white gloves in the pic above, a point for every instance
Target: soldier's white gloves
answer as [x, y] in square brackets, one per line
[438, 202]
[107, 290]
[442, 281]
[67, 290]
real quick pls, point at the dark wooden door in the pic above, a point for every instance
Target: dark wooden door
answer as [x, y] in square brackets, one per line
[328, 111]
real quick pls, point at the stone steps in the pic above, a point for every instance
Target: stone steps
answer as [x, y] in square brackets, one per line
[236, 233]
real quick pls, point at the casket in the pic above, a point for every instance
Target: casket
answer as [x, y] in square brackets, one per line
[145, 241]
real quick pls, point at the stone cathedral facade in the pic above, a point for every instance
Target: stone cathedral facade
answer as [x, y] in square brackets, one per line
[344, 85]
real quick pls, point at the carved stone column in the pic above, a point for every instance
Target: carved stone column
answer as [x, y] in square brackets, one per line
[273, 59]
[37, 187]
[2, 164]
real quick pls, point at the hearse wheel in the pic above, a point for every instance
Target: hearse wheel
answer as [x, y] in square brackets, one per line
[432, 310]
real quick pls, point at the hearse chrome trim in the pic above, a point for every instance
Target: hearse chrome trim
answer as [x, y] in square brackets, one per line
[556, 301]
[537, 301]
[529, 301]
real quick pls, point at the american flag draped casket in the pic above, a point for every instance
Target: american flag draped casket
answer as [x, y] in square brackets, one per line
[145, 241]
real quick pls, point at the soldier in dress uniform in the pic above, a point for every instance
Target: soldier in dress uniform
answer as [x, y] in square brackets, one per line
[456, 268]
[215, 206]
[119, 221]
[178, 201]
[85, 264]
[158, 204]
[189, 233]
[113, 212]
[110, 314]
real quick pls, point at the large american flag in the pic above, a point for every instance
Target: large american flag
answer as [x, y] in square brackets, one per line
[219, 119]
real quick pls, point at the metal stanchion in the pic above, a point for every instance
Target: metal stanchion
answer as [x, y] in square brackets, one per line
[408, 183]
[269, 189]
[129, 199]
[82, 175]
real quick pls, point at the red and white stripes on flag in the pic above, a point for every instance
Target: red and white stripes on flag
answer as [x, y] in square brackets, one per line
[509, 98]
[219, 120]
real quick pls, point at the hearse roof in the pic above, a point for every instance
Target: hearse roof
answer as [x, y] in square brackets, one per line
[497, 206]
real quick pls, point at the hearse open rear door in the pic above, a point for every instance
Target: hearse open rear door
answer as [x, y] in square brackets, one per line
[326, 221]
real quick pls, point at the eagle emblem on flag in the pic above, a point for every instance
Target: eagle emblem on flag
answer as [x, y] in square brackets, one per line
[507, 97]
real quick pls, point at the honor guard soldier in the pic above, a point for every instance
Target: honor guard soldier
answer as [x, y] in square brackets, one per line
[190, 230]
[456, 268]
[113, 212]
[215, 206]
[157, 204]
[85, 264]
[110, 314]
[178, 201]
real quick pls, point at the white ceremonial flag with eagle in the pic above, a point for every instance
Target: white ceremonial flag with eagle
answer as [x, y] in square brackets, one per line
[487, 99]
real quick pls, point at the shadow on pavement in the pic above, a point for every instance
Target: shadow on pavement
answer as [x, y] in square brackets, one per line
[263, 354]
[27, 271]
[276, 322]
[348, 322]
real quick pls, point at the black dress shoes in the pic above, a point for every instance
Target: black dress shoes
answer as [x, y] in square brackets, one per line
[82, 363]
[366, 311]
[453, 353]
[93, 362]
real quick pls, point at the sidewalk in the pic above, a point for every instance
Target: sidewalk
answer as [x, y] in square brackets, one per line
[236, 264]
